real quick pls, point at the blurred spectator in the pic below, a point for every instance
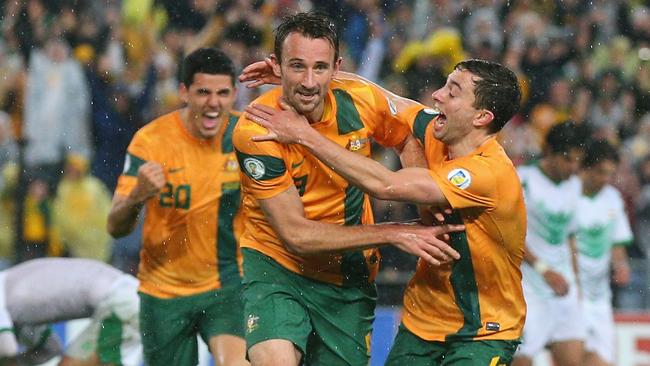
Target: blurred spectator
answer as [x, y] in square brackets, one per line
[80, 210]
[8, 171]
[116, 115]
[637, 147]
[57, 107]
[612, 111]
[37, 238]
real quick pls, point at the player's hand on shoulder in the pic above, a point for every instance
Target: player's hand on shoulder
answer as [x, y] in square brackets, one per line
[151, 179]
[557, 282]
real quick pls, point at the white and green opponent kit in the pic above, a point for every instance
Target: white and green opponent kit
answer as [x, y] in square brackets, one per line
[601, 225]
[43, 291]
[551, 209]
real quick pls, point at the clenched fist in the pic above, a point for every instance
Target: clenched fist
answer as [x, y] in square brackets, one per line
[151, 179]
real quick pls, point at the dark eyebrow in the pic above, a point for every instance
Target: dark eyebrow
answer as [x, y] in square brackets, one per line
[454, 83]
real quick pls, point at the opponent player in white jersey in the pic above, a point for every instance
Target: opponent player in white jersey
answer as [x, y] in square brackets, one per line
[44, 291]
[603, 230]
[551, 192]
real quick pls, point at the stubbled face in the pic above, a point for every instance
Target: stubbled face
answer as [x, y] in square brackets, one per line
[307, 67]
[598, 175]
[209, 100]
[564, 165]
[455, 102]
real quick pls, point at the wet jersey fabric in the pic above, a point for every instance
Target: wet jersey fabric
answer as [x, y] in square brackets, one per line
[479, 296]
[190, 229]
[354, 113]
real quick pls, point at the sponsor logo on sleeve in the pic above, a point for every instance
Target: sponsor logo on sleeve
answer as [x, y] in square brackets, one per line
[254, 167]
[460, 178]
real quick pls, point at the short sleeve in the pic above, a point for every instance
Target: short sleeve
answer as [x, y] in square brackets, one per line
[466, 183]
[264, 172]
[622, 234]
[136, 155]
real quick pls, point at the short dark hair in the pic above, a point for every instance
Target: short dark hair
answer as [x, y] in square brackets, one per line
[207, 61]
[597, 151]
[566, 136]
[312, 25]
[496, 89]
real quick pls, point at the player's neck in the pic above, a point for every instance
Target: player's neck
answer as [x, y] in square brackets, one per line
[468, 144]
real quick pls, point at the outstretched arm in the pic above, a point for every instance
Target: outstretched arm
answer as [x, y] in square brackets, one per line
[413, 185]
[307, 237]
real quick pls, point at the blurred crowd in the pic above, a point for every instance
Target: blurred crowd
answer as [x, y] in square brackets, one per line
[79, 77]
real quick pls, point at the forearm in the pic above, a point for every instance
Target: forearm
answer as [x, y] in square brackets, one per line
[357, 169]
[619, 255]
[539, 265]
[401, 103]
[123, 216]
[312, 237]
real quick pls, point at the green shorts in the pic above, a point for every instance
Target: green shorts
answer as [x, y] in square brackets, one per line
[412, 350]
[169, 327]
[330, 324]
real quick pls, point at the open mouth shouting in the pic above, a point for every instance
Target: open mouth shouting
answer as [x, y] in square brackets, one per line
[211, 120]
[440, 121]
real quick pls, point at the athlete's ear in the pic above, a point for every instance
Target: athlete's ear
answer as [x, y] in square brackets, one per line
[337, 65]
[183, 93]
[274, 63]
[483, 118]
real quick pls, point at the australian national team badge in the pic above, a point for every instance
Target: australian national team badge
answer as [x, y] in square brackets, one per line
[231, 164]
[356, 143]
[460, 178]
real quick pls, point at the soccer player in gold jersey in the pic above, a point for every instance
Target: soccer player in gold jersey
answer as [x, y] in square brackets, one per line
[182, 167]
[309, 250]
[471, 311]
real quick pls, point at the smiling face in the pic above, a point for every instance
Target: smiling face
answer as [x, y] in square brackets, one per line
[307, 66]
[209, 99]
[455, 100]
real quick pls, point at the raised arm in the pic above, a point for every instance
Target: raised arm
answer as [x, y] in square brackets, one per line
[125, 208]
[307, 237]
[413, 185]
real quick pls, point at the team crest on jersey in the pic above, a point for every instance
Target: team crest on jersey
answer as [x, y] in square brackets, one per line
[231, 164]
[356, 143]
[254, 167]
[251, 323]
[460, 178]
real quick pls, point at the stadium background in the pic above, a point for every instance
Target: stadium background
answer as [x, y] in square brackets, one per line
[79, 77]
